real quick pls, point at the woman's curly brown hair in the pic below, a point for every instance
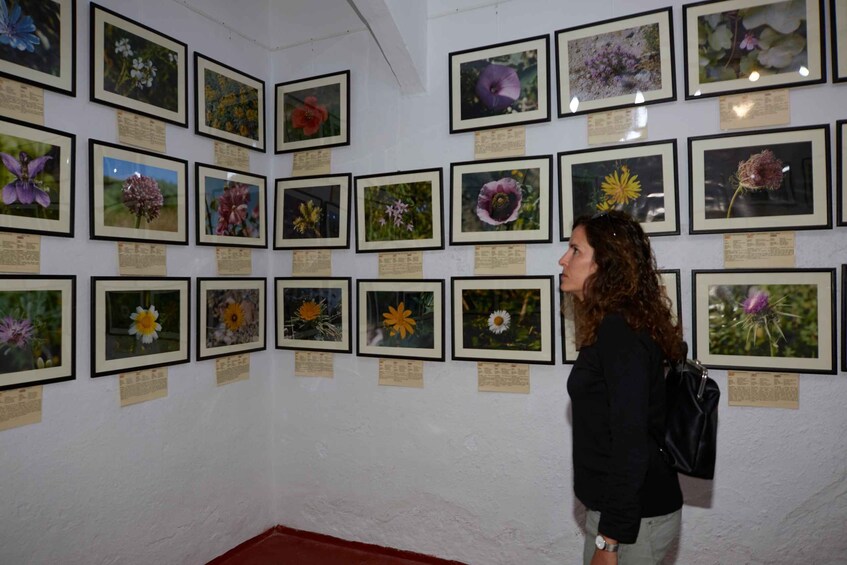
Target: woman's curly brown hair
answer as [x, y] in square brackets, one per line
[625, 281]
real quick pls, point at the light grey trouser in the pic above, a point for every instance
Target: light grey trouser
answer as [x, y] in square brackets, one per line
[654, 539]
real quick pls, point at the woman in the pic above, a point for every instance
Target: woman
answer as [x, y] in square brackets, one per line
[625, 333]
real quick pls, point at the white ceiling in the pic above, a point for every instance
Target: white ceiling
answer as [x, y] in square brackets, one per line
[277, 24]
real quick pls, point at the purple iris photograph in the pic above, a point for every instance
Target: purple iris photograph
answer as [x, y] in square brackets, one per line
[494, 86]
[30, 177]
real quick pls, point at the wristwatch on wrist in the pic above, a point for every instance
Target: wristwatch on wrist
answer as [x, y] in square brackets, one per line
[603, 545]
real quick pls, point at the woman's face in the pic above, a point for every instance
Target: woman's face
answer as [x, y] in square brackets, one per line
[577, 263]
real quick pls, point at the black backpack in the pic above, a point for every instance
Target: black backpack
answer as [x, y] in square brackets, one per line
[691, 437]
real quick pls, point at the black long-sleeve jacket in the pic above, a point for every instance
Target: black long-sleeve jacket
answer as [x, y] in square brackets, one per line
[617, 392]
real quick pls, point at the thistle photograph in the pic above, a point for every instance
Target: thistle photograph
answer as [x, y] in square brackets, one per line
[229, 105]
[401, 318]
[230, 316]
[743, 45]
[138, 323]
[36, 177]
[136, 195]
[766, 181]
[313, 112]
[37, 42]
[771, 320]
[506, 319]
[313, 314]
[399, 211]
[501, 200]
[766, 320]
[640, 180]
[36, 330]
[500, 84]
[615, 63]
[233, 207]
[137, 68]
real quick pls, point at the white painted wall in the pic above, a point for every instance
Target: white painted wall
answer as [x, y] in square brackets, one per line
[486, 478]
[177, 480]
[483, 478]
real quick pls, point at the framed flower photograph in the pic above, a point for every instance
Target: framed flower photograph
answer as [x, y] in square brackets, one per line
[734, 46]
[670, 280]
[639, 179]
[500, 85]
[841, 182]
[844, 318]
[37, 179]
[399, 211]
[136, 68]
[617, 63]
[231, 207]
[400, 318]
[506, 319]
[37, 330]
[137, 195]
[231, 316]
[765, 320]
[838, 33]
[313, 212]
[38, 43]
[313, 314]
[229, 105]
[501, 201]
[312, 113]
[768, 181]
[139, 323]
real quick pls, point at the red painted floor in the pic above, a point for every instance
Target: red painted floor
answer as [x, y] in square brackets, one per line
[282, 546]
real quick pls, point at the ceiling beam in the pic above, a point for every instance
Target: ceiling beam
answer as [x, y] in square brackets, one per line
[400, 29]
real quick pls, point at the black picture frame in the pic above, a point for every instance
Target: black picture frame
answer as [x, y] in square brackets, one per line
[583, 51]
[838, 35]
[171, 229]
[795, 194]
[113, 346]
[242, 117]
[743, 318]
[325, 324]
[22, 65]
[213, 191]
[377, 300]
[718, 16]
[294, 217]
[500, 110]
[55, 362]
[61, 162]
[235, 297]
[378, 192]
[844, 318]
[141, 94]
[841, 171]
[496, 293]
[586, 187]
[477, 184]
[299, 91]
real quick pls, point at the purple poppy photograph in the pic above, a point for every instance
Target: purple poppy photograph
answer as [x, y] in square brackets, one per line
[35, 179]
[499, 85]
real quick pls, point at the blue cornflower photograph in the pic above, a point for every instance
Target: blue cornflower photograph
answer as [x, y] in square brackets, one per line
[23, 24]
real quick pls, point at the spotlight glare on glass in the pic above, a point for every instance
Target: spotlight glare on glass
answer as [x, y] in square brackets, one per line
[639, 98]
[804, 71]
[574, 104]
[754, 76]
